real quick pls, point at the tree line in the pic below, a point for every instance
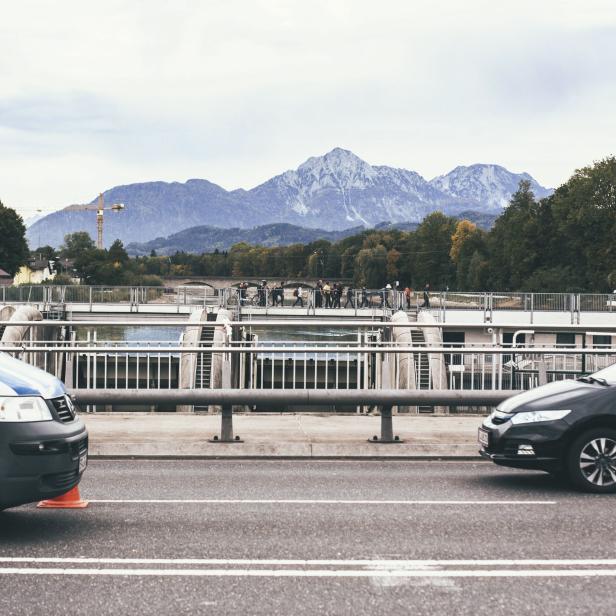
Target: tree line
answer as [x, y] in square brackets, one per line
[565, 242]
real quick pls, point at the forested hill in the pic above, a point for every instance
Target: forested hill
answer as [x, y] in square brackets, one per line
[208, 239]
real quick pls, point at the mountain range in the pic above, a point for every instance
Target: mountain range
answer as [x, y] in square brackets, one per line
[332, 192]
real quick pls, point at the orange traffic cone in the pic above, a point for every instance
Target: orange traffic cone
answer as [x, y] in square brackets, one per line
[70, 500]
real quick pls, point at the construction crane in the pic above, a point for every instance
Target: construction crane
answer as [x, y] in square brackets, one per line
[100, 209]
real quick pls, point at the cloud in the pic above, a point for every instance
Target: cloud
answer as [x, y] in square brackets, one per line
[69, 113]
[100, 94]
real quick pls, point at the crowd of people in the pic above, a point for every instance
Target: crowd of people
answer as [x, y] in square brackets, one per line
[331, 295]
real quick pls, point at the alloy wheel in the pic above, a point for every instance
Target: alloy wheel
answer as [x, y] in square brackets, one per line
[598, 462]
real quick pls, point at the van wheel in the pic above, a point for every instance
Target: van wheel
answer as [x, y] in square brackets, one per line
[591, 461]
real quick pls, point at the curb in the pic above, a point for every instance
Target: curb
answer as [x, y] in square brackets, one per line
[288, 451]
[418, 458]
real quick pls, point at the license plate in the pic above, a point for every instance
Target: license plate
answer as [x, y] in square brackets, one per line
[83, 462]
[484, 437]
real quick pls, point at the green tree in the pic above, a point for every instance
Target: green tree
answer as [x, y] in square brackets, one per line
[432, 246]
[468, 250]
[515, 242]
[75, 244]
[117, 254]
[584, 214]
[370, 267]
[475, 277]
[44, 252]
[13, 246]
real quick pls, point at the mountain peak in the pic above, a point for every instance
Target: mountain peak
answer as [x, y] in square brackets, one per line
[486, 183]
[335, 160]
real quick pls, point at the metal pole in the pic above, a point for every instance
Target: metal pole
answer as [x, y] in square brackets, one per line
[226, 427]
[387, 429]
[327, 397]
[532, 307]
[543, 373]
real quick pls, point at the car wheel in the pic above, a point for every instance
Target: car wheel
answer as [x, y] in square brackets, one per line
[591, 461]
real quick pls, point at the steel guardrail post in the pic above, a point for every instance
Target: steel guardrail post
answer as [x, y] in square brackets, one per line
[387, 428]
[226, 427]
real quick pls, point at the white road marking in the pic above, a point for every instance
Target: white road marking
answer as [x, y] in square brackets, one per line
[390, 563]
[338, 573]
[243, 501]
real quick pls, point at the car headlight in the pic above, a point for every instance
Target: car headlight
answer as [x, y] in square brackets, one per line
[534, 416]
[499, 416]
[24, 408]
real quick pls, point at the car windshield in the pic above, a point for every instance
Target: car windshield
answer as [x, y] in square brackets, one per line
[606, 374]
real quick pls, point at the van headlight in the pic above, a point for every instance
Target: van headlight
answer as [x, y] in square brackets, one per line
[534, 416]
[24, 408]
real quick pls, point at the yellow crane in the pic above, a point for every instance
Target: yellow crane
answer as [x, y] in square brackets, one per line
[100, 209]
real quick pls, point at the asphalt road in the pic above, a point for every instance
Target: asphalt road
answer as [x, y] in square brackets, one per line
[319, 537]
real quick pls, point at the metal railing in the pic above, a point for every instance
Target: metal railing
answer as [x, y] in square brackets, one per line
[310, 299]
[346, 367]
[51, 295]
[440, 302]
[366, 359]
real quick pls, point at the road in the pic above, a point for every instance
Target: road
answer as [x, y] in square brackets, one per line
[311, 537]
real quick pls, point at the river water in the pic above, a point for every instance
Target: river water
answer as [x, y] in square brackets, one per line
[131, 333]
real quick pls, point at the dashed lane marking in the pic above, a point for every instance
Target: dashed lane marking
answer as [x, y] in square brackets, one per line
[243, 501]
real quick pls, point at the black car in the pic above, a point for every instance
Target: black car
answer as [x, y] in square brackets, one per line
[43, 443]
[567, 428]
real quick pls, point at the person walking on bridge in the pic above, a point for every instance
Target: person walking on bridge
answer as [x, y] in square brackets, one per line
[385, 296]
[364, 298]
[318, 295]
[426, 296]
[262, 293]
[327, 294]
[298, 297]
[349, 296]
[337, 295]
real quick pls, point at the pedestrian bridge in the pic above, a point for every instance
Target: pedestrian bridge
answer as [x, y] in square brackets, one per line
[447, 307]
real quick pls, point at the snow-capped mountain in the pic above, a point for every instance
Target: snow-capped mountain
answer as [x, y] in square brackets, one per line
[488, 185]
[334, 192]
[339, 188]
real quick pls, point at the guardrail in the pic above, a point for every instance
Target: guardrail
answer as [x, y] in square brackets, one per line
[311, 299]
[368, 360]
[343, 367]
[226, 398]
[51, 295]
[440, 302]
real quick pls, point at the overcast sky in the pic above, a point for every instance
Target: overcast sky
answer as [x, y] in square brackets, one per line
[96, 94]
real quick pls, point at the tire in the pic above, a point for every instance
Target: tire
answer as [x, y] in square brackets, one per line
[591, 461]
